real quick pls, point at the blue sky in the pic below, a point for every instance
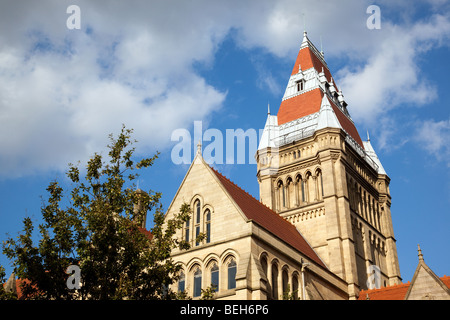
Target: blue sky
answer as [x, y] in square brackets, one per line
[160, 66]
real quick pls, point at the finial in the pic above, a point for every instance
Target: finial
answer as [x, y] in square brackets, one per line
[368, 138]
[199, 147]
[420, 253]
[268, 107]
[321, 48]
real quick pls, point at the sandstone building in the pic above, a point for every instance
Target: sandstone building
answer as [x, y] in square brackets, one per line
[323, 217]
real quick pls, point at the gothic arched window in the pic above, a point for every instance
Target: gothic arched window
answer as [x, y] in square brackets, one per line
[274, 276]
[181, 282]
[208, 225]
[264, 264]
[303, 187]
[197, 221]
[285, 283]
[215, 277]
[197, 282]
[320, 183]
[295, 286]
[187, 230]
[232, 274]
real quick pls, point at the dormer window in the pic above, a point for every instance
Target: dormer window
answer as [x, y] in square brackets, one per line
[300, 85]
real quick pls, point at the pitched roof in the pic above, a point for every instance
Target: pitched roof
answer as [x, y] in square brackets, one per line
[308, 103]
[396, 292]
[309, 57]
[15, 286]
[347, 124]
[424, 276]
[403, 291]
[268, 219]
[298, 105]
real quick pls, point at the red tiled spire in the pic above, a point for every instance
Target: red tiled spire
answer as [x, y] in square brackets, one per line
[307, 101]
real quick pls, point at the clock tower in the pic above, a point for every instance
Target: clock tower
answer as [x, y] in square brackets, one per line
[316, 172]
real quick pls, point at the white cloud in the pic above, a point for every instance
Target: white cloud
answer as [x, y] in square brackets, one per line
[391, 76]
[62, 92]
[434, 137]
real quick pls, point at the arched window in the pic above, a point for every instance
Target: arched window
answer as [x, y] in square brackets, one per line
[182, 282]
[208, 225]
[320, 182]
[264, 264]
[197, 282]
[197, 221]
[295, 286]
[290, 196]
[309, 187]
[232, 274]
[285, 283]
[300, 189]
[279, 197]
[274, 282]
[303, 186]
[186, 230]
[215, 277]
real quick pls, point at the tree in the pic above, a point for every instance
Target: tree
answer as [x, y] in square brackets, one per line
[209, 293]
[99, 226]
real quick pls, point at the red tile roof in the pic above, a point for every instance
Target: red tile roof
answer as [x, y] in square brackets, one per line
[308, 103]
[146, 232]
[347, 124]
[18, 283]
[268, 219]
[300, 106]
[396, 292]
[307, 59]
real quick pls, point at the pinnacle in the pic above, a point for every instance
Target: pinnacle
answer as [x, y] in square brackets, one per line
[420, 253]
